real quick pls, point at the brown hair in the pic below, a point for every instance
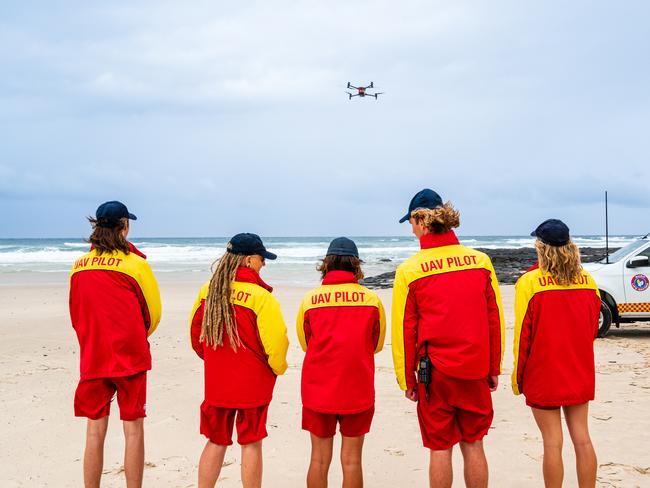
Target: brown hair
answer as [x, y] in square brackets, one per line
[109, 239]
[332, 262]
[562, 262]
[219, 312]
[438, 220]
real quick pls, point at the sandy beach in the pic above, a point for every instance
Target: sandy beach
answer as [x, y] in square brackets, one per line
[42, 442]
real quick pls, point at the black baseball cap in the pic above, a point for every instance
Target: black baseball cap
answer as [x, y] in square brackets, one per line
[247, 245]
[553, 232]
[108, 214]
[342, 246]
[423, 199]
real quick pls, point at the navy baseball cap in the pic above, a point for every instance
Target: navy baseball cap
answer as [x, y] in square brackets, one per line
[342, 246]
[247, 245]
[423, 199]
[108, 214]
[553, 232]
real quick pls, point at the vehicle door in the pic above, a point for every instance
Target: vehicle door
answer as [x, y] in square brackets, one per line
[636, 280]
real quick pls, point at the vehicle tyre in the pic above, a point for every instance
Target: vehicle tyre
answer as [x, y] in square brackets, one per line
[604, 319]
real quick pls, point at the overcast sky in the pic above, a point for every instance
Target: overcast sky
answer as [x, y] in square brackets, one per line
[210, 118]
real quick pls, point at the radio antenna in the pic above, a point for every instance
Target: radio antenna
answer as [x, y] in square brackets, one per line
[606, 231]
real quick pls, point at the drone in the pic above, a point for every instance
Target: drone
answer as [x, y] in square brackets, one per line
[361, 91]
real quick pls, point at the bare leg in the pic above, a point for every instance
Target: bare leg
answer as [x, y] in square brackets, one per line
[319, 464]
[550, 425]
[351, 457]
[94, 453]
[440, 470]
[134, 452]
[476, 467]
[210, 464]
[577, 421]
[251, 465]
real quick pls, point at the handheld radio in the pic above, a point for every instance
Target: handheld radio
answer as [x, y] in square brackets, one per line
[424, 370]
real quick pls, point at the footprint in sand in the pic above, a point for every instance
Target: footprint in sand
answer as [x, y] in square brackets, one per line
[602, 417]
[394, 452]
[614, 468]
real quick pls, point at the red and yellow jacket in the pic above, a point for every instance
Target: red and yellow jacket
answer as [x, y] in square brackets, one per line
[447, 295]
[340, 325]
[555, 328]
[114, 307]
[244, 378]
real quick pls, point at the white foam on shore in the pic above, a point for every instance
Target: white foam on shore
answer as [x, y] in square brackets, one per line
[299, 254]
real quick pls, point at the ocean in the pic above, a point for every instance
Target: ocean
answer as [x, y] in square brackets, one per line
[296, 263]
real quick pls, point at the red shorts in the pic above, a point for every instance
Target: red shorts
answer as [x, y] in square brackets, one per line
[457, 410]
[93, 397]
[324, 424]
[217, 424]
[542, 407]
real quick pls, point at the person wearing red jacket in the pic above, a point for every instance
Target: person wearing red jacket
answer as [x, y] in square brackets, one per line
[557, 307]
[340, 326]
[236, 327]
[114, 308]
[448, 331]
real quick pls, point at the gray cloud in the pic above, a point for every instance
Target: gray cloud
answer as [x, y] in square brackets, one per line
[211, 117]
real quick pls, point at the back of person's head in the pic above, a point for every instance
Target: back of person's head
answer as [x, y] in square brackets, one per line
[342, 255]
[109, 238]
[110, 227]
[557, 254]
[219, 314]
[438, 220]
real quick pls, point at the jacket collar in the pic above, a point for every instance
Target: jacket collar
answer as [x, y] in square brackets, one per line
[132, 248]
[135, 250]
[338, 277]
[428, 241]
[249, 275]
[533, 267]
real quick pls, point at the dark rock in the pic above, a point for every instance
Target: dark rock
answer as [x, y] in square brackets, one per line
[384, 280]
[509, 264]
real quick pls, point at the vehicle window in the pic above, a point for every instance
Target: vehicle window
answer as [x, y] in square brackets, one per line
[624, 251]
[645, 252]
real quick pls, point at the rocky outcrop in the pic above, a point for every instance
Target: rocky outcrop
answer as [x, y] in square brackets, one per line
[509, 264]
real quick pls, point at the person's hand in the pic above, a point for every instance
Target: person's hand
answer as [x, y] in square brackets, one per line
[412, 394]
[493, 382]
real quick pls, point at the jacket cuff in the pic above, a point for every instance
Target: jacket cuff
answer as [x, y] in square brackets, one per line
[411, 382]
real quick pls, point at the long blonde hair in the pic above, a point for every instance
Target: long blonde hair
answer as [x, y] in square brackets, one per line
[562, 262]
[438, 220]
[219, 312]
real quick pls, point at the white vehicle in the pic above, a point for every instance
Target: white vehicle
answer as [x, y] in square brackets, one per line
[624, 285]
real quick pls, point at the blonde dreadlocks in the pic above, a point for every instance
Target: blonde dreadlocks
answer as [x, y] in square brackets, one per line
[219, 312]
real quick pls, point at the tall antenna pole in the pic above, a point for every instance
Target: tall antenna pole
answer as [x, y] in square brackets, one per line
[606, 231]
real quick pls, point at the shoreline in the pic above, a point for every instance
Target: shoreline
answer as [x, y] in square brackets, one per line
[509, 264]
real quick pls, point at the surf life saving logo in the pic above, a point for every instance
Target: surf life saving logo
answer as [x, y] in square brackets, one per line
[640, 282]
